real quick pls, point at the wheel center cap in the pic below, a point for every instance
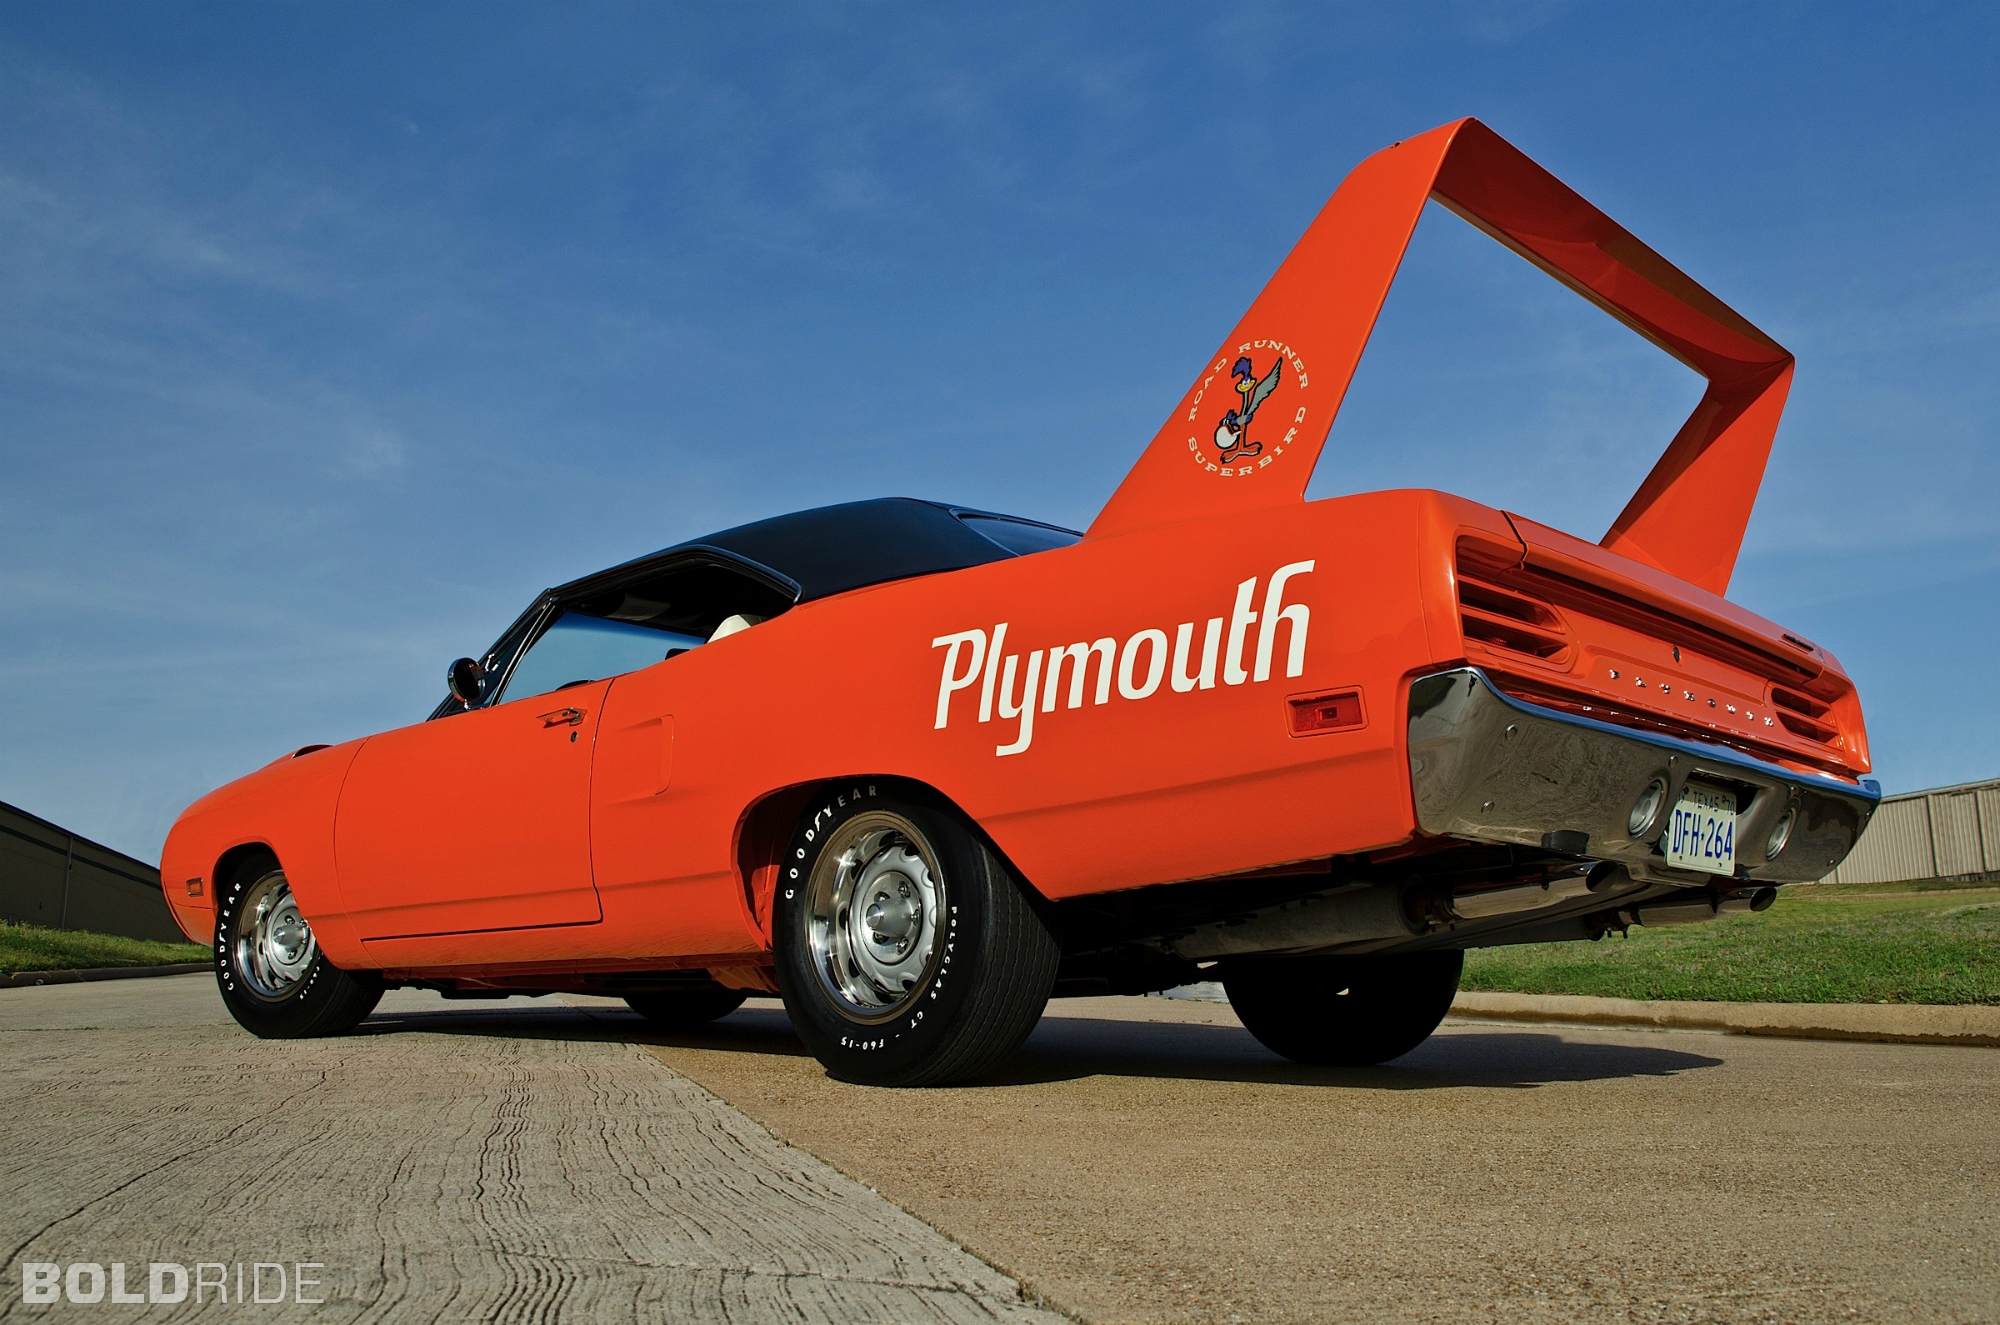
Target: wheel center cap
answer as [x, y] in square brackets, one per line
[289, 936]
[893, 912]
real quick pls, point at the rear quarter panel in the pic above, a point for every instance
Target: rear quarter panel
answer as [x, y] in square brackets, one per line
[1131, 792]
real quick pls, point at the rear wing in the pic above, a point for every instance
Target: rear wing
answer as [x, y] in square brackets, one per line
[1249, 431]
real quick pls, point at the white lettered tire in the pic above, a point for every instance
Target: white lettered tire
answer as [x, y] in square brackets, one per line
[908, 954]
[273, 978]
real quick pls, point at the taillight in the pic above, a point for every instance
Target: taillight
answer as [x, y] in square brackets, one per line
[1506, 618]
[1804, 716]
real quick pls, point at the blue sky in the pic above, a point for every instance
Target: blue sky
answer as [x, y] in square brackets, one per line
[329, 334]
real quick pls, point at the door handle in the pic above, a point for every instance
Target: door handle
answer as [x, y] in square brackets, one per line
[571, 717]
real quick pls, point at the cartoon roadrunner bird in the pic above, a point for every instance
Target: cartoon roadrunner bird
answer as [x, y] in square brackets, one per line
[1232, 434]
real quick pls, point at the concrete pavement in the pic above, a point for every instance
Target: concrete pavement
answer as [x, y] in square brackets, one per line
[454, 1162]
[1141, 1160]
[1146, 1160]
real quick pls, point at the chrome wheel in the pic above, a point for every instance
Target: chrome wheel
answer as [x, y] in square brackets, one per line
[872, 910]
[273, 946]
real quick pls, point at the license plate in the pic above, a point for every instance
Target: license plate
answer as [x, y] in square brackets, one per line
[1702, 833]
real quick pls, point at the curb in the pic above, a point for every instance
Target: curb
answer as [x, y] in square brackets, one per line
[1883, 1023]
[24, 979]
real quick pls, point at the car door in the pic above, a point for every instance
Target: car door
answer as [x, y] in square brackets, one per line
[478, 821]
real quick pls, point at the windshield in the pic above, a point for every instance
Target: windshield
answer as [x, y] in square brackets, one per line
[576, 647]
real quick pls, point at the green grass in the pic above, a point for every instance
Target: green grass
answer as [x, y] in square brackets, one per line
[32, 948]
[1819, 944]
[1814, 945]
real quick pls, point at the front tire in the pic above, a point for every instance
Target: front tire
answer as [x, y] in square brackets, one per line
[907, 952]
[1343, 1011]
[274, 979]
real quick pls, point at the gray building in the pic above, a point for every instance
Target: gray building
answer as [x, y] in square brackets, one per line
[1947, 833]
[50, 876]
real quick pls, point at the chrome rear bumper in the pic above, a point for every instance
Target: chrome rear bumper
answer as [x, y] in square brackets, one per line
[1492, 768]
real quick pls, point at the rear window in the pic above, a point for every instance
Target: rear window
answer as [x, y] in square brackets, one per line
[1019, 536]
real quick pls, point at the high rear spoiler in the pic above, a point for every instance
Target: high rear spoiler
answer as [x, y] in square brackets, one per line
[1250, 429]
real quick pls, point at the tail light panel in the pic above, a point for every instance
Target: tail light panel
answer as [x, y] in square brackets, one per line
[1502, 617]
[1577, 646]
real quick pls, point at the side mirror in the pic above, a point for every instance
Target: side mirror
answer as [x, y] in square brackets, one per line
[467, 680]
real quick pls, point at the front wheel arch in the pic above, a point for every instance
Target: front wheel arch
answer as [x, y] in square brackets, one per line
[307, 996]
[226, 865]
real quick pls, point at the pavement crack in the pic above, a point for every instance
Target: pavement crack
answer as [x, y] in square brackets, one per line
[320, 1080]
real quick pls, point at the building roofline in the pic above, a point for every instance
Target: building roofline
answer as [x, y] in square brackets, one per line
[1984, 785]
[78, 838]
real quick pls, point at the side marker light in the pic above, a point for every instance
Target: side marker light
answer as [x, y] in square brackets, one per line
[1339, 710]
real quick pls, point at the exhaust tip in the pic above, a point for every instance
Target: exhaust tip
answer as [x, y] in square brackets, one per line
[1747, 900]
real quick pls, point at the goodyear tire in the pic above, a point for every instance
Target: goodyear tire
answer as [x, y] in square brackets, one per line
[1343, 1011]
[907, 952]
[685, 1009]
[274, 979]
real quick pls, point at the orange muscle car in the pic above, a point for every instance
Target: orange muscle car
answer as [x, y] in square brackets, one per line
[916, 768]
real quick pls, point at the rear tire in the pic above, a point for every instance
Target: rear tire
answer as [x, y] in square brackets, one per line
[274, 979]
[1343, 1011]
[907, 952]
[686, 1009]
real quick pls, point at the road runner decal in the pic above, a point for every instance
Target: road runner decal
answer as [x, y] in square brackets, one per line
[1234, 454]
[1011, 686]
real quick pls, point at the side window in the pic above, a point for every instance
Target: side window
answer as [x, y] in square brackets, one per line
[639, 622]
[577, 647]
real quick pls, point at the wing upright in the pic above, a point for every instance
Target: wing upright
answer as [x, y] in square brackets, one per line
[1318, 310]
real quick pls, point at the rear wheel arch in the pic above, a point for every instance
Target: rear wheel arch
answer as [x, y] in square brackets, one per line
[907, 950]
[762, 831]
[765, 829]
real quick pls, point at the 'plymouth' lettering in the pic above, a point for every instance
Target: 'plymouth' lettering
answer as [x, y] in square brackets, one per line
[974, 655]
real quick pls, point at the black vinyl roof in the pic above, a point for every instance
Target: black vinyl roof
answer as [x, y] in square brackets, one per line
[832, 549]
[797, 558]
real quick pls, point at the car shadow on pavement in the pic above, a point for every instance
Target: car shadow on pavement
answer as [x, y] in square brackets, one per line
[1070, 1048]
[1075, 1048]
